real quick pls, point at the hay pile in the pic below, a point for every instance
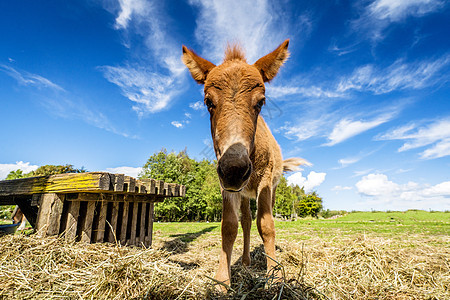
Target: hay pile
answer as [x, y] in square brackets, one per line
[43, 268]
[356, 268]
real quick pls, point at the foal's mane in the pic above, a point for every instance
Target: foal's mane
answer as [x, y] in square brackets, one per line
[234, 51]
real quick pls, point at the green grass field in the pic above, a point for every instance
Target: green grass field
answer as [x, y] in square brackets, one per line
[382, 224]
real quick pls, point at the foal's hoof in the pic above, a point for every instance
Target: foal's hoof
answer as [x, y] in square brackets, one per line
[246, 261]
[274, 276]
[222, 284]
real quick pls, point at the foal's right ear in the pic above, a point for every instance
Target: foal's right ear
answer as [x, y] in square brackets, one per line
[199, 67]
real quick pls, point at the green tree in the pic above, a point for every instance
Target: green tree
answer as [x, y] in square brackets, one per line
[211, 193]
[15, 174]
[200, 179]
[54, 169]
[310, 205]
[284, 198]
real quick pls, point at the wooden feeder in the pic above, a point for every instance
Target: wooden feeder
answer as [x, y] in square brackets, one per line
[90, 207]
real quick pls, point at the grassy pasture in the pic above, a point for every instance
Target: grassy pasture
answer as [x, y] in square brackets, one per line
[362, 255]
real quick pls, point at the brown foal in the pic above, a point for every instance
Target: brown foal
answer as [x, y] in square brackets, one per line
[249, 158]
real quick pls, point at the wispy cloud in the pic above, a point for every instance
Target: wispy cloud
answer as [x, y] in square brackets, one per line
[339, 188]
[378, 15]
[151, 88]
[29, 79]
[347, 161]
[435, 136]
[258, 25]
[197, 105]
[346, 128]
[308, 92]
[344, 162]
[398, 76]
[60, 102]
[151, 92]
[306, 129]
[380, 191]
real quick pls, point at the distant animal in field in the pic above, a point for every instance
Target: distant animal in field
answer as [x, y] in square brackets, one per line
[249, 159]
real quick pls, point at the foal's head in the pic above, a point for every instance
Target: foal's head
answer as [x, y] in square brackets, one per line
[234, 96]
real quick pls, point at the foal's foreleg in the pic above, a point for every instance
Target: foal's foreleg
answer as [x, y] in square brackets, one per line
[266, 226]
[230, 223]
[246, 222]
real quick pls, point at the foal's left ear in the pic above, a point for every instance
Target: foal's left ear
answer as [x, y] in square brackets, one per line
[269, 65]
[198, 66]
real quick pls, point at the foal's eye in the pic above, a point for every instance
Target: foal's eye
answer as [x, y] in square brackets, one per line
[209, 103]
[260, 103]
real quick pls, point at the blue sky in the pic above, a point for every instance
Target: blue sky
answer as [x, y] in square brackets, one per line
[365, 95]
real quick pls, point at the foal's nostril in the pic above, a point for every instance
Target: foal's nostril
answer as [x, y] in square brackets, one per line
[247, 174]
[219, 170]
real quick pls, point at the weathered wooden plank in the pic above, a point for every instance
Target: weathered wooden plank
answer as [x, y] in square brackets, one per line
[150, 185]
[142, 225]
[86, 233]
[160, 187]
[149, 237]
[112, 237]
[55, 214]
[49, 214]
[72, 218]
[134, 223]
[176, 190]
[167, 189]
[94, 181]
[118, 183]
[141, 187]
[123, 231]
[101, 222]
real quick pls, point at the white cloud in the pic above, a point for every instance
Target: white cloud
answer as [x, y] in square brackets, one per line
[177, 124]
[30, 79]
[339, 188]
[398, 76]
[380, 14]
[5, 169]
[151, 88]
[435, 136]
[344, 162]
[61, 103]
[127, 9]
[307, 128]
[151, 92]
[346, 129]
[308, 92]
[129, 171]
[258, 25]
[381, 192]
[196, 105]
[313, 180]
[397, 10]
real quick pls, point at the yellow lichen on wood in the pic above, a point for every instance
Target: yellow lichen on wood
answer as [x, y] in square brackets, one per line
[81, 182]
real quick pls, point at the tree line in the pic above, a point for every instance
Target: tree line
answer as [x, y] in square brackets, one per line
[203, 201]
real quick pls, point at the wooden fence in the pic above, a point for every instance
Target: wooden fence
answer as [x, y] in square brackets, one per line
[90, 207]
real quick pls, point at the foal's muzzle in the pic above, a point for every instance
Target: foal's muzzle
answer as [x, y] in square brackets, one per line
[234, 168]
